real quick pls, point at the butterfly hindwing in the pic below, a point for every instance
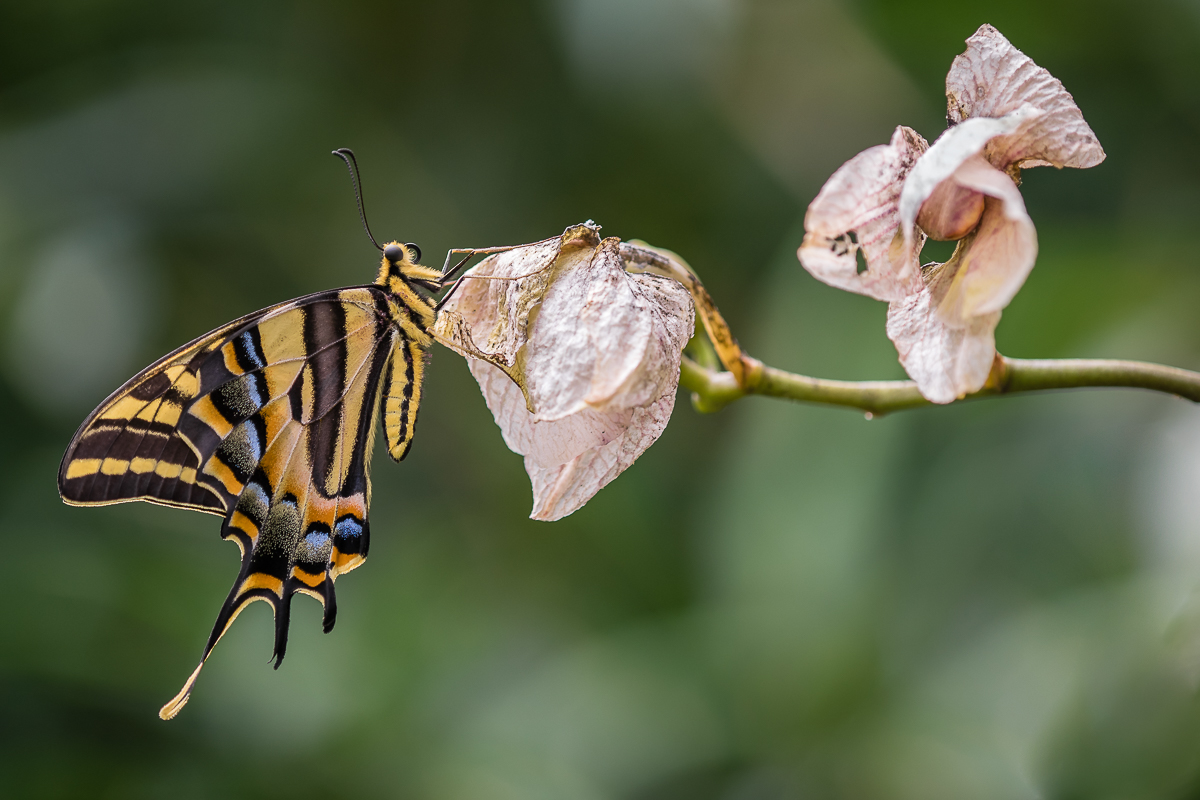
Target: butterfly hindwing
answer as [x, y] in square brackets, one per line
[269, 422]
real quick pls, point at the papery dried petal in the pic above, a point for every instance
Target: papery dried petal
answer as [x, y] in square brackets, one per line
[993, 79]
[944, 334]
[490, 319]
[599, 336]
[946, 361]
[643, 257]
[579, 363]
[857, 209]
[570, 459]
[991, 265]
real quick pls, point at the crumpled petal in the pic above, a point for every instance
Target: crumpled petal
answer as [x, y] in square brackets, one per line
[578, 361]
[858, 209]
[945, 333]
[991, 265]
[489, 319]
[570, 459]
[993, 79]
[946, 361]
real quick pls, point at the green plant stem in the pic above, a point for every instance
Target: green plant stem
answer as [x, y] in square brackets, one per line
[713, 390]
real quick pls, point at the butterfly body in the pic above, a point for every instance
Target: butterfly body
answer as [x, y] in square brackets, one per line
[269, 422]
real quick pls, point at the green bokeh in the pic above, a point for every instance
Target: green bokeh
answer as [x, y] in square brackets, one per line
[993, 600]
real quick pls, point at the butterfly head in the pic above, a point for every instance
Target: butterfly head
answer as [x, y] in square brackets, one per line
[400, 264]
[397, 253]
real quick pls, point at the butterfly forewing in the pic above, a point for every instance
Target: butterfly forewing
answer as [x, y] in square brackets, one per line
[130, 447]
[268, 421]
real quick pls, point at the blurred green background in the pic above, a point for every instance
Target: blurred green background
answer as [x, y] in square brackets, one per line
[994, 600]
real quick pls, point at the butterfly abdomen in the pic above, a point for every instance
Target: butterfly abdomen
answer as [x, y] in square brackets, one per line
[402, 397]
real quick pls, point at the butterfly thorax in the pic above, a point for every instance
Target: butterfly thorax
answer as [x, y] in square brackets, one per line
[400, 275]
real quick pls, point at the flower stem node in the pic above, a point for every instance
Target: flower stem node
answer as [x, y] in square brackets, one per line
[1006, 113]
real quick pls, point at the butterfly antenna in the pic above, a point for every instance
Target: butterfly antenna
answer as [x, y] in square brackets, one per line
[347, 155]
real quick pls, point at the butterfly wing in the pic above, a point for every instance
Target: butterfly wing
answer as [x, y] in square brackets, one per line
[268, 421]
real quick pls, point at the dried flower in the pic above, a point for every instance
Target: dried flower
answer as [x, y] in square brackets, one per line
[1006, 113]
[577, 359]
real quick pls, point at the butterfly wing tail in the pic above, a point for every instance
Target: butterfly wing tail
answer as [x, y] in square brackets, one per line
[176, 703]
[260, 578]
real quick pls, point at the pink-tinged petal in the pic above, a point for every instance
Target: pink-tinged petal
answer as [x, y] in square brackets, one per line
[991, 265]
[993, 79]
[857, 210]
[945, 334]
[951, 150]
[946, 361]
[950, 212]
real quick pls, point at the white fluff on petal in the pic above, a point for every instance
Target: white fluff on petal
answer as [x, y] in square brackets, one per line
[862, 198]
[993, 79]
[579, 362]
[946, 361]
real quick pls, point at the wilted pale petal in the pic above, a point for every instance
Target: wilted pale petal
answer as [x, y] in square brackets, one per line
[993, 79]
[857, 209]
[946, 155]
[570, 459]
[990, 265]
[489, 319]
[579, 360]
[946, 361]
[944, 334]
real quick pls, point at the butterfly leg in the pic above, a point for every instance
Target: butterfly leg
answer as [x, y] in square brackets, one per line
[449, 272]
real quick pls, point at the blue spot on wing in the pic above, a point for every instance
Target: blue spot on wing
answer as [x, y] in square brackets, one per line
[256, 400]
[348, 528]
[250, 351]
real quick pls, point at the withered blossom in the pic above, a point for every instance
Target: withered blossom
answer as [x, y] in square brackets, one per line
[1006, 113]
[577, 359]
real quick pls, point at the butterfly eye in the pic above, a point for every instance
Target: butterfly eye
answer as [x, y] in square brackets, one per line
[416, 251]
[394, 253]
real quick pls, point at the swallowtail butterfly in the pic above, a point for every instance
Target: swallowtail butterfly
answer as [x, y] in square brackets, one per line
[269, 422]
